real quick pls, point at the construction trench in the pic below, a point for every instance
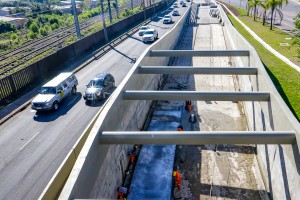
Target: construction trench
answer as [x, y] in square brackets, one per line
[207, 171]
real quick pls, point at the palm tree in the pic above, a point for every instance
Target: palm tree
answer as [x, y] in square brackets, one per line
[254, 3]
[265, 5]
[273, 5]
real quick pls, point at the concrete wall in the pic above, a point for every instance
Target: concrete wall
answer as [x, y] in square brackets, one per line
[279, 164]
[99, 169]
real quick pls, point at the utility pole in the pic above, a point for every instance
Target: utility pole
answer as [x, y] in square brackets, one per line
[103, 20]
[117, 8]
[109, 11]
[154, 7]
[76, 19]
[144, 10]
[131, 4]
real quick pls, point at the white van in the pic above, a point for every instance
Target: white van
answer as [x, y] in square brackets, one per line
[55, 91]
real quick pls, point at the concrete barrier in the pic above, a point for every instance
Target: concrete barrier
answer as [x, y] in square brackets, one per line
[55, 185]
[280, 164]
[98, 170]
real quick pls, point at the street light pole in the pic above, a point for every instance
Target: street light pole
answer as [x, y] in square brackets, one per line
[144, 10]
[109, 11]
[117, 9]
[76, 19]
[103, 20]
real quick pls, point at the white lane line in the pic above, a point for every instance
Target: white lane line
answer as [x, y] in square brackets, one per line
[73, 100]
[29, 141]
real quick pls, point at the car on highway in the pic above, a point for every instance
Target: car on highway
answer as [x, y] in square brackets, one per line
[175, 13]
[167, 19]
[175, 5]
[142, 30]
[183, 4]
[150, 35]
[99, 87]
[53, 92]
[181, 1]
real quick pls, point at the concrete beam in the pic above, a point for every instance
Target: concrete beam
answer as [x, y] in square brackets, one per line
[196, 70]
[197, 53]
[198, 137]
[195, 96]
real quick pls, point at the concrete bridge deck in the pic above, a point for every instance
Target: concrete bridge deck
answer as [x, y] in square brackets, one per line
[232, 171]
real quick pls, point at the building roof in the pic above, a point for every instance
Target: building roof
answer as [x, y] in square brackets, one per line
[10, 19]
[7, 8]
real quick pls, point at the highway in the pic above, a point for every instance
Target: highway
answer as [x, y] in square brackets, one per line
[32, 146]
[289, 12]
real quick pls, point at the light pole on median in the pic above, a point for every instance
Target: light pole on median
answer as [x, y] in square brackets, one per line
[117, 9]
[76, 19]
[103, 20]
[144, 10]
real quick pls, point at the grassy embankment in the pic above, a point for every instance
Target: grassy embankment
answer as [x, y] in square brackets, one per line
[285, 78]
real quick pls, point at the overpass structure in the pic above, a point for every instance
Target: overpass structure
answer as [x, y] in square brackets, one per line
[271, 125]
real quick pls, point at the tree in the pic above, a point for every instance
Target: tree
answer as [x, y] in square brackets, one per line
[34, 28]
[273, 5]
[265, 5]
[296, 40]
[48, 29]
[28, 22]
[253, 3]
[43, 31]
[32, 35]
[7, 27]
[14, 36]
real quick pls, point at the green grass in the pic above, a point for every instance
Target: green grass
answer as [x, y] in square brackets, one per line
[272, 37]
[285, 78]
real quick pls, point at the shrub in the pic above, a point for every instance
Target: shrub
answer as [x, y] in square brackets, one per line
[28, 22]
[34, 28]
[43, 31]
[14, 36]
[7, 27]
[48, 29]
[4, 45]
[54, 26]
[32, 35]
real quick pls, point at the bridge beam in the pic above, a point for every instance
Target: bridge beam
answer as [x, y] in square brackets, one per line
[195, 96]
[197, 53]
[198, 137]
[196, 70]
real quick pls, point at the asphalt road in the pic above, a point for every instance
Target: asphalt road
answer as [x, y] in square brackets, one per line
[32, 146]
[289, 12]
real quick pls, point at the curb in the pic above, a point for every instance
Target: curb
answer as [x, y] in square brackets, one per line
[267, 46]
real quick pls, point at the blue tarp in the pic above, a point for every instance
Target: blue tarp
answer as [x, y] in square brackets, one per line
[152, 178]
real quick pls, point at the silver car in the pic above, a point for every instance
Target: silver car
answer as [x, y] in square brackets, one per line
[99, 87]
[142, 30]
[150, 35]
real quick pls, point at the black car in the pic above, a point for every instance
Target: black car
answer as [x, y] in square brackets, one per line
[98, 87]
